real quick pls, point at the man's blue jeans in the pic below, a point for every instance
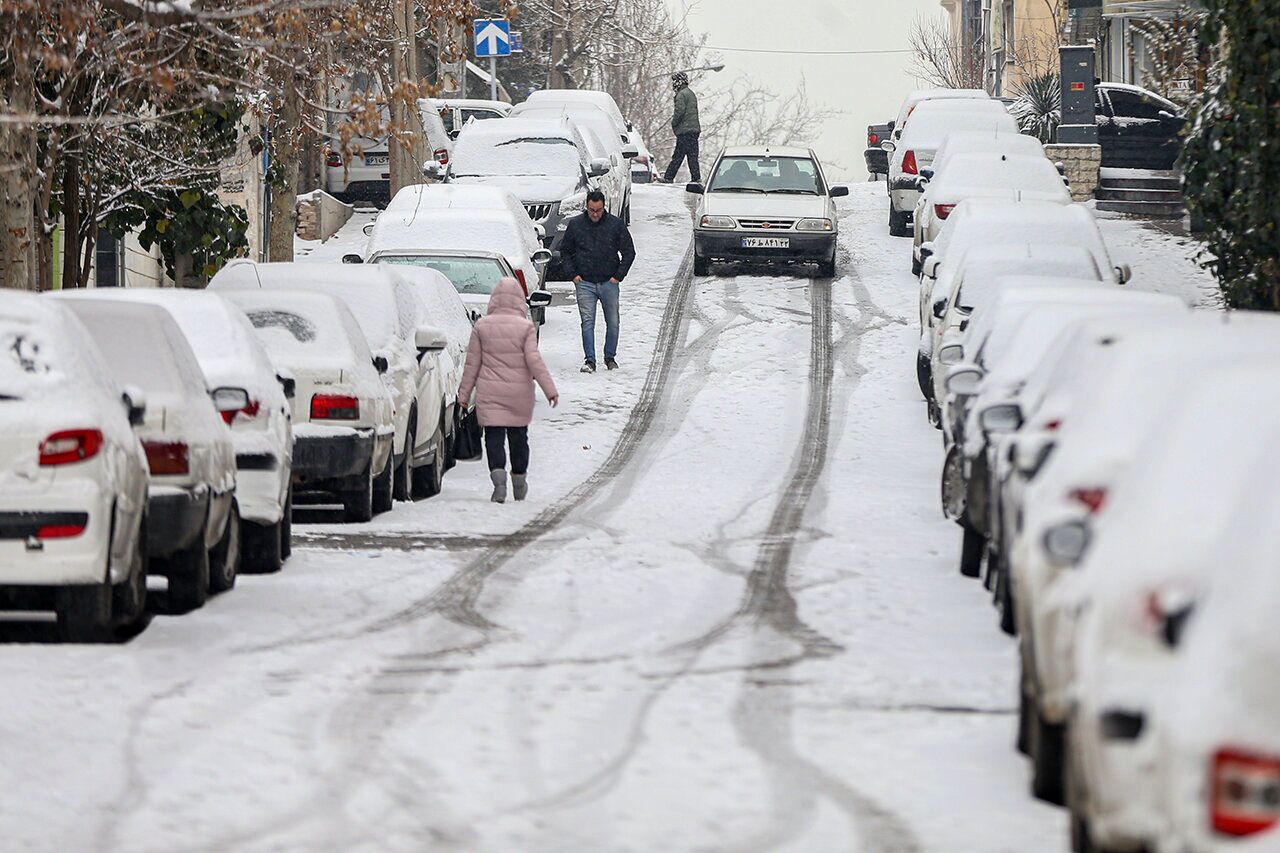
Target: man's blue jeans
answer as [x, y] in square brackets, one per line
[589, 295]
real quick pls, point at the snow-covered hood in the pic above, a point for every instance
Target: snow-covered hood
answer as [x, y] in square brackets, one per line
[764, 206]
[528, 188]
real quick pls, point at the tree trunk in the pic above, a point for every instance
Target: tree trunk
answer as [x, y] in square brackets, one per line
[71, 224]
[284, 195]
[17, 199]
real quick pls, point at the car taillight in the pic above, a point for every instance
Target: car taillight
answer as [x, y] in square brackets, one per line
[72, 445]
[909, 164]
[335, 407]
[59, 531]
[334, 160]
[943, 210]
[166, 457]
[873, 140]
[250, 412]
[1092, 499]
[442, 156]
[523, 285]
[1245, 794]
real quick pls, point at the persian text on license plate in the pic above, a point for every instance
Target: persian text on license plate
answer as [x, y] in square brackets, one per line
[375, 159]
[766, 242]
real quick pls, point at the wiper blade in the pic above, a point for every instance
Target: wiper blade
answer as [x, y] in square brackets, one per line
[793, 192]
[736, 190]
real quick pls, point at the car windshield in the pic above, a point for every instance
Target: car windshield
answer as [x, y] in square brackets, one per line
[468, 275]
[29, 359]
[473, 158]
[787, 175]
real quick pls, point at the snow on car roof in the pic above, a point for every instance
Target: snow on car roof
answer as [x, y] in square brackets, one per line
[481, 148]
[603, 100]
[931, 121]
[768, 151]
[982, 269]
[297, 327]
[492, 230]
[441, 304]
[452, 196]
[978, 221]
[994, 141]
[975, 175]
[39, 339]
[590, 120]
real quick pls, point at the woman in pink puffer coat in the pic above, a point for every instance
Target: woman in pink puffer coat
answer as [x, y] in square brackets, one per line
[503, 362]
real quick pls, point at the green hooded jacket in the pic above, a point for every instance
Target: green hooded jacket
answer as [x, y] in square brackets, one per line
[685, 118]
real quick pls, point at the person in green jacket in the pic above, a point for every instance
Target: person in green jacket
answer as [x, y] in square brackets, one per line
[684, 124]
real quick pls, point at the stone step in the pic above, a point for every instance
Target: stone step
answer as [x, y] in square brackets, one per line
[1144, 209]
[1109, 193]
[1152, 183]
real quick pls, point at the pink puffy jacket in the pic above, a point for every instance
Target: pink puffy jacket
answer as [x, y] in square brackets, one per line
[503, 361]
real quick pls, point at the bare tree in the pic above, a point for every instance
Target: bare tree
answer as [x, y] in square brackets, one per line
[940, 58]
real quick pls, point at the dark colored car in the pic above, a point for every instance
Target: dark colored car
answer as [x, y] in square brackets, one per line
[877, 158]
[1137, 128]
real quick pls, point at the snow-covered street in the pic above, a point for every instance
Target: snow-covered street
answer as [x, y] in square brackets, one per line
[728, 618]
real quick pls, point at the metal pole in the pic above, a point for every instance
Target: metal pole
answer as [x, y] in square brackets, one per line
[493, 79]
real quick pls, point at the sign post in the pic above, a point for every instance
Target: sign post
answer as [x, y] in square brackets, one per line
[493, 39]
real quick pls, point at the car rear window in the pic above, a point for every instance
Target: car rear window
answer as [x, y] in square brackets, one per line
[142, 356]
[31, 361]
[524, 155]
[295, 334]
[468, 275]
[785, 175]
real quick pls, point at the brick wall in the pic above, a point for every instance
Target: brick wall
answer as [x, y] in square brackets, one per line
[1083, 164]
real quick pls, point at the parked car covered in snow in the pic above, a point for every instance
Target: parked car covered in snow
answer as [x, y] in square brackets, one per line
[1137, 129]
[192, 519]
[602, 101]
[457, 112]
[230, 356]
[343, 421]
[361, 172]
[74, 500]
[644, 166]
[919, 96]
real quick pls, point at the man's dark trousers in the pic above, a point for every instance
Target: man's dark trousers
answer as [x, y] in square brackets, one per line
[686, 147]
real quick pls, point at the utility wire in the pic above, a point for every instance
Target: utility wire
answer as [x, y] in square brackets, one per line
[800, 52]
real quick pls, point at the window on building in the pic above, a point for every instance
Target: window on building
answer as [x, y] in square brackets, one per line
[1009, 16]
[108, 264]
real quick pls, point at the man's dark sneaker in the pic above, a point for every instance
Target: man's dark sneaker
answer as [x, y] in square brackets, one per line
[611, 364]
[588, 367]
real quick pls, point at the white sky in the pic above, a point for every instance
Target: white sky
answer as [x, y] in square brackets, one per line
[865, 89]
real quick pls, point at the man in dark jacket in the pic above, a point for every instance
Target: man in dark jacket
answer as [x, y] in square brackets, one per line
[596, 253]
[685, 125]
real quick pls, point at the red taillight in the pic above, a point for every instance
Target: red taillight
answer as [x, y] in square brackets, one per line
[943, 210]
[334, 160]
[166, 457]
[72, 445]
[442, 156]
[909, 164]
[1053, 425]
[1245, 792]
[250, 412]
[1092, 499]
[334, 407]
[523, 285]
[873, 140]
[60, 531]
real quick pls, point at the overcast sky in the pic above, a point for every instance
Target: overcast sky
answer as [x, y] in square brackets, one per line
[865, 89]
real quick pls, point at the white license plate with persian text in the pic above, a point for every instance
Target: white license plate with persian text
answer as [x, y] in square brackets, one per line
[766, 242]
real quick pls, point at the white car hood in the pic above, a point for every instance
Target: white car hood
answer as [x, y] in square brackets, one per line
[764, 206]
[528, 188]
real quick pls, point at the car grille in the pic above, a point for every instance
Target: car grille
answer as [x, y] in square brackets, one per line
[539, 210]
[767, 224]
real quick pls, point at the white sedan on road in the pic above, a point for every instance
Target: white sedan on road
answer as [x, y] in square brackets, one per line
[74, 497]
[766, 203]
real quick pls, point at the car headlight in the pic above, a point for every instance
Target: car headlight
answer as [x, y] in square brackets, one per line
[813, 225]
[718, 222]
[573, 204]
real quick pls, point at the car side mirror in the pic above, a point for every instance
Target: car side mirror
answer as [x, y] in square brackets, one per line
[927, 174]
[540, 299]
[695, 188]
[939, 309]
[888, 145]
[541, 257]
[430, 339]
[540, 231]
[1165, 114]
[1067, 542]
[1001, 418]
[135, 404]
[926, 250]
[630, 152]
[838, 192]
[1124, 274]
[381, 364]
[951, 354]
[352, 259]
[598, 168]
[963, 380]
[929, 267]
[229, 399]
[289, 385]
[1030, 454]
[432, 168]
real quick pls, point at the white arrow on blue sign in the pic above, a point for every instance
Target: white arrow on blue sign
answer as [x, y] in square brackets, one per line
[493, 38]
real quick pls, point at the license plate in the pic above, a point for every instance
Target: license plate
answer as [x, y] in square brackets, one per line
[375, 159]
[766, 242]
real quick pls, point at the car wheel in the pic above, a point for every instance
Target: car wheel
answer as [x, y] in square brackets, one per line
[1045, 741]
[626, 213]
[188, 574]
[429, 479]
[129, 597]
[286, 526]
[924, 375]
[701, 265]
[224, 559]
[1023, 740]
[84, 613]
[401, 488]
[1004, 597]
[262, 545]
[357, 504]
[899, 223]
[450, 457]
[383, 485]
[971, 551]
[916, 266]
[827, 269]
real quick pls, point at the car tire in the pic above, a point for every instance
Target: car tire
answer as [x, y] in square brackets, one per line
[971, 546]
[916, 266]
[384, 485]
[924, 375]
[263, 548]
[84, 613]
[1022, 742]
[224, 559]
[1004, 597]
[626, 213]
[450, 457]
[402, 486]
[827, 269]
[188, 573]
[899, 223]
[129, 597]
[701, 265]
[286, 526]
[1046, 742]
[357, 504]
[429, 479]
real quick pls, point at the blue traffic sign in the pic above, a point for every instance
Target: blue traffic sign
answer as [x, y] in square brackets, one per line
[493, 38]
[517, 42]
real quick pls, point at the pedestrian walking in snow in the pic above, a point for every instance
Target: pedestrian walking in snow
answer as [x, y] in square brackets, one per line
[503, 363]
[596, 253]
[686, 127]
